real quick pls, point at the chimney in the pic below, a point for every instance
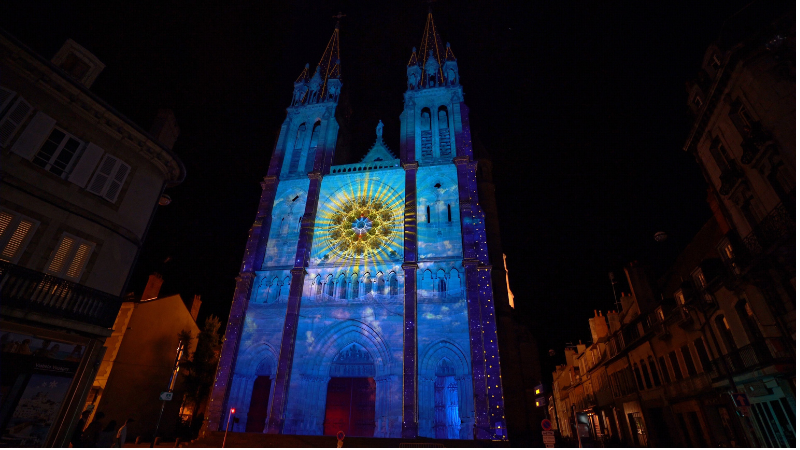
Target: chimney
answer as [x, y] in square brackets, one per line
[153, 287]
[613, 321]
[196, 307]
[598, 326]
[79, 63]
[165, 128]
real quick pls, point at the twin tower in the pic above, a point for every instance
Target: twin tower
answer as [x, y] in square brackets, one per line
[364, 303]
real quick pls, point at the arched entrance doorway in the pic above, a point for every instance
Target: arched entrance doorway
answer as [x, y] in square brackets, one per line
[447, 422]
[350, 402]
[259, 400]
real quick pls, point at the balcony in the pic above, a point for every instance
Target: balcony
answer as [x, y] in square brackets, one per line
[689, 387]
[755, 355]
[777, 224]
[30, 290]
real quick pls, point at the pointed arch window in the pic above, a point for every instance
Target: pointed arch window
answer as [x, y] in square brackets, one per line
[367, 284]
[354, 287]
[381, 284]
[392, 284]
[312, 150]
[329, 285]
[342, 287]
[298, 148]
[318, 286]
[444, 133]
[426, 135]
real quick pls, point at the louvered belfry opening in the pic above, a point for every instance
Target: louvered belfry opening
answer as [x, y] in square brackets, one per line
[350, 403]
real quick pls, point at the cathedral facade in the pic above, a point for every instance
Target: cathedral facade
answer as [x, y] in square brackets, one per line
[364, 303]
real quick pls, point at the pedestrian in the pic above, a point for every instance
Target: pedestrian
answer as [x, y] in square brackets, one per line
[106, 439]
[92, 432]
[122, 434]
[78, 432]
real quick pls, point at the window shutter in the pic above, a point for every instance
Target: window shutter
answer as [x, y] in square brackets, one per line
[70, 257]
[61, 255]
[78, 262]
[17, 114]
[5, 98]
[103, 174]
[11, 250]
[34, 135]
[5, 221]
[115, 184]
[85, 166]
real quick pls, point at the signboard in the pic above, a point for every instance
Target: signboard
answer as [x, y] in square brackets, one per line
[740, 399]
[546, 425]
[549, 446]
[166, 396]
[549, 439]
[548, 433]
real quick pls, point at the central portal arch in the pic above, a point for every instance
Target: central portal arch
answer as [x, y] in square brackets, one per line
[350, 400]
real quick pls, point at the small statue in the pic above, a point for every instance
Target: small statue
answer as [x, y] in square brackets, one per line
[379, 128]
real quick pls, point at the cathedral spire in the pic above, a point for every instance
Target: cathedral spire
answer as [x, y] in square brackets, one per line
[434, 64]
[325, 84]
[431, 46]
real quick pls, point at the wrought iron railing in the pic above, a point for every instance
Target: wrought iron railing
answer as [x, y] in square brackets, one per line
[30, 290]
[777, 224]
[755, 355]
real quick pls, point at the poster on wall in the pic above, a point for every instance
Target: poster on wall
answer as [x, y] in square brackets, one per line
[35, 377]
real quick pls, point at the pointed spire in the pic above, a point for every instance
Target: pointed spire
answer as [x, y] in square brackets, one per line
[303, 78]
[329, 64]
[431, 42]
[413, 61]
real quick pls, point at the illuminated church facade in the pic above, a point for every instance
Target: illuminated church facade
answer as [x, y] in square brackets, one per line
[364, 303]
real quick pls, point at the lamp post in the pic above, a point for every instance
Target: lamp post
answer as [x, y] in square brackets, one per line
[227, 425]
[173, 377]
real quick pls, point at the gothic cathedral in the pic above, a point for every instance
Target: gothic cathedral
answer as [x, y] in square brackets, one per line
[364, 303]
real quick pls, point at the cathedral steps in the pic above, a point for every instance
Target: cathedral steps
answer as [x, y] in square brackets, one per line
[253, 440]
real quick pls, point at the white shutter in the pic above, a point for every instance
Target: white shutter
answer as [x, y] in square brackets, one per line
[34, 135]
[85, 166]
[115, 184]
[109, 178]
[6, 96]
[103, 174]
[17, 114]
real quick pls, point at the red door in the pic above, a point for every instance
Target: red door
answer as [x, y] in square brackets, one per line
[350, 407]
[259, 401]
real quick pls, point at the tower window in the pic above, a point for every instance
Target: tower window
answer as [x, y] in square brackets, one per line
[428, 213]
[449, 215]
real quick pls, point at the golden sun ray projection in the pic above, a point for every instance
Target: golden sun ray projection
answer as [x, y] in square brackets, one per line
[361, 223]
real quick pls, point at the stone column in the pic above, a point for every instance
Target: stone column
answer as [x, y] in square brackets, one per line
[409, 428]
[489, 410]
[253, 258]
[276, 414]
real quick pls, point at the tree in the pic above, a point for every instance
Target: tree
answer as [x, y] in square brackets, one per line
[203, 366]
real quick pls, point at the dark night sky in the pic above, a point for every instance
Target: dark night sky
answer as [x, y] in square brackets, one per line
[580, 103]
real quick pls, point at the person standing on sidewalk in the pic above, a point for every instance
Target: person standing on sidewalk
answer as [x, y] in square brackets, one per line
[122, 434]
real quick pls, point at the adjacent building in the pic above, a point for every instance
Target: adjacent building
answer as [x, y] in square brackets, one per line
[79, 185]
[140, 363]
[704, 356]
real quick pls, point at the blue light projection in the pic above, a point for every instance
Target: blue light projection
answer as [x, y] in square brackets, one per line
[371, 309]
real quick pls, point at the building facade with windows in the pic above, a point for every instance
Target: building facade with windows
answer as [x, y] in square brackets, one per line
[365, 302]
[79, 185]
[743, 137]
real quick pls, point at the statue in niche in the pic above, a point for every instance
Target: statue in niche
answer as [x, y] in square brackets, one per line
[379, 128]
